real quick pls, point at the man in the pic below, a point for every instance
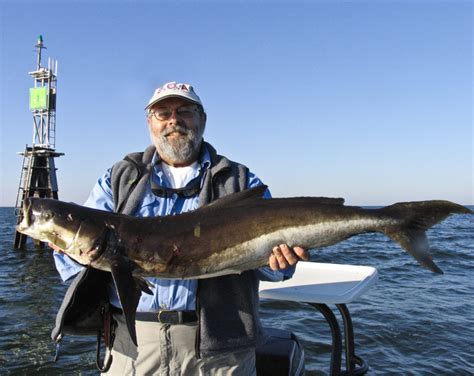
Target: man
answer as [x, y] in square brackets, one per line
[187, 327]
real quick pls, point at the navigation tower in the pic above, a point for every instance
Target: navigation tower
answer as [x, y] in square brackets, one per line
[38, 172]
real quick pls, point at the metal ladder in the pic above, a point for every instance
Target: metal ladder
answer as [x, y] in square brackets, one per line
[25, 177]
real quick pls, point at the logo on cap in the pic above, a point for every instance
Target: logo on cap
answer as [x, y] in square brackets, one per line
[174, 86]
[173, 89]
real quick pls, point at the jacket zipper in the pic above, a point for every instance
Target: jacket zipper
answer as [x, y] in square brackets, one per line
[198, 330]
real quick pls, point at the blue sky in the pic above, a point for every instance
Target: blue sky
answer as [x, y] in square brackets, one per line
[371, 101]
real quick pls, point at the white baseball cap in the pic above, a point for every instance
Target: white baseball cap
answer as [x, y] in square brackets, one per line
[173, 89]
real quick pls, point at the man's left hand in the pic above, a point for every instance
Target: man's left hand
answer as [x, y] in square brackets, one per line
[284, 256]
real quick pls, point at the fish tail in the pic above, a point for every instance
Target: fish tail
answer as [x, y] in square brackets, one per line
[414, 218]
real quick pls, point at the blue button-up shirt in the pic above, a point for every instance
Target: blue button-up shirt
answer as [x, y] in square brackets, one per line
[173, 294]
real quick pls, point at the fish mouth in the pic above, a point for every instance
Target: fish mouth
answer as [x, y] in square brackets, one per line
[35, 223]
[27, 216]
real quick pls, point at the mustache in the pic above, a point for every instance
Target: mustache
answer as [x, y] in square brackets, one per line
[177, 128]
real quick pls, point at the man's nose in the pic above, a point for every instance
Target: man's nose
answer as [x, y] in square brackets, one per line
[171, 120]
[174, 116]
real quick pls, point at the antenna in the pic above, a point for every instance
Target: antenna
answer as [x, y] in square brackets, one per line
[39, 45]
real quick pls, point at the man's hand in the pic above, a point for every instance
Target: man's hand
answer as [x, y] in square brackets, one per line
[283, 256]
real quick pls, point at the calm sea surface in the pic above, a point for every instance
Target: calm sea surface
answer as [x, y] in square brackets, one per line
[412, 322]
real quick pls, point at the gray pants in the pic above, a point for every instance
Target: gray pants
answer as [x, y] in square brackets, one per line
[169, 350]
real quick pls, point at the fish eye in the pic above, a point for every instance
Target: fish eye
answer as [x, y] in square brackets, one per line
[47, 215]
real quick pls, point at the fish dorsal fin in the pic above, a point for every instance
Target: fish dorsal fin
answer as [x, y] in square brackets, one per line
[257, 193]
[334, 201]
[329, 200]
[240, 197]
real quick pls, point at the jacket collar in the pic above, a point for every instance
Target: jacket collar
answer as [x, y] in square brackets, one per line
[208, 158]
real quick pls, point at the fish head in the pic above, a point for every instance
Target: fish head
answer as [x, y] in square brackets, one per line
[68, 226]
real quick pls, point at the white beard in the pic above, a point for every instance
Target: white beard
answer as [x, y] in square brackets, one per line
[180, 149]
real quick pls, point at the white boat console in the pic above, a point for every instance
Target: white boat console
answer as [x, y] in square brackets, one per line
[319, 285]
[322, 283]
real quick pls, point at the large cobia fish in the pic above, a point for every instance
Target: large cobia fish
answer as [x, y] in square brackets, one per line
[231, 235]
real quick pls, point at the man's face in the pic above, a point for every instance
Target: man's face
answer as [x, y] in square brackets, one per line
[176, 129]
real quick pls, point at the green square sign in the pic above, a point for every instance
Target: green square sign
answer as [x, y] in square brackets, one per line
[39, 98]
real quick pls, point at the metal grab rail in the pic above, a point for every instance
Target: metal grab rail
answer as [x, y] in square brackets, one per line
[354, 364]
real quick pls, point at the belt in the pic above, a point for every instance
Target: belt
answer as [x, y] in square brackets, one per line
[168, 317]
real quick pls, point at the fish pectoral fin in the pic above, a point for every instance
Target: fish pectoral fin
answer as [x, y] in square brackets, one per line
[128, 291]
[144, 285]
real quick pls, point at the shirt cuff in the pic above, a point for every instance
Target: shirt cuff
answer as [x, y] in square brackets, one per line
[267, 274]
[67, 267]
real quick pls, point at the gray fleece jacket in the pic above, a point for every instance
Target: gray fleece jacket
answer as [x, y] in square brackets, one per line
[227, 306]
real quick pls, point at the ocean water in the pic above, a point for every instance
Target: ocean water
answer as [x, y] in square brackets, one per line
[412, 322]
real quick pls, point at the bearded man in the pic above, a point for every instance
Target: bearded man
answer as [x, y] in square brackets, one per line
[187, 327]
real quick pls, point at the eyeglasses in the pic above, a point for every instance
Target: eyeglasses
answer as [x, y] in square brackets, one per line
[184, 112]
[191, 189]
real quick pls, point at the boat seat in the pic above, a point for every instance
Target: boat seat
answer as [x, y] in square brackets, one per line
[280, 355]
